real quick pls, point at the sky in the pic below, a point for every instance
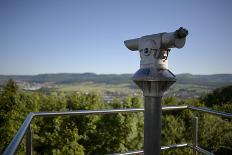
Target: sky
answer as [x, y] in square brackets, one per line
[77, 36]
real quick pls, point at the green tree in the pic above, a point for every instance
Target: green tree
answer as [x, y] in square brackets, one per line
[219, 96]
[86, 124]
[120, 132]
[14, 106]
[55, 135]
[215, 133]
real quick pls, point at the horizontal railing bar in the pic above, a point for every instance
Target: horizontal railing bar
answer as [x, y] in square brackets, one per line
[86, 112]
[171, 108]
[128, 153]
[107, 111]
[162, 149]
[13, 146]
[167, 148]
[201, 150]
[210, 111]
[173, 146]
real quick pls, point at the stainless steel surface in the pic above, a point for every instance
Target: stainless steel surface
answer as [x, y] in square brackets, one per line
[153, 74]
[12, 147]
[132, 44]
[165, 40]
[164, 108]
[172, 108]
[128, 153]
[163, 148]
[195, 135]
[154, 78]
[87, 112]
[154, 48]
[153, 82]
[173, 146]
[214, 112]
[29, 141]
[152, 125]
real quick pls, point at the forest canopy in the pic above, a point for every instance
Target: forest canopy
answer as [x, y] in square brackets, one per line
[102, 134]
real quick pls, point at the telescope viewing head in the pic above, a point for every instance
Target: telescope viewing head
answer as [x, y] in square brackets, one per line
[154, 49]
[154, 78]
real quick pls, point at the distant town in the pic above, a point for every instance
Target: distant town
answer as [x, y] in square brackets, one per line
[116, 86]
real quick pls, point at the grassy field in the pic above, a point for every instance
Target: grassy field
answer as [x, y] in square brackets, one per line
[178, 90]
[97, 87]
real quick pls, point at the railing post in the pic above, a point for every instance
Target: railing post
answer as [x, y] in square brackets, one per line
[195, 135]
[29, 141]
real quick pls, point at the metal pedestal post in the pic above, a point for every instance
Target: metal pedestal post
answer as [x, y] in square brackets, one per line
[152, 125]
[153, 83]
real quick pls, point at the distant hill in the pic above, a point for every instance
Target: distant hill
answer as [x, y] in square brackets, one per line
[215, 80]
[66, 78]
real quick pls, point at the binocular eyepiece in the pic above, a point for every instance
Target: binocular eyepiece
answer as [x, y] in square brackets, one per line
[181, 33]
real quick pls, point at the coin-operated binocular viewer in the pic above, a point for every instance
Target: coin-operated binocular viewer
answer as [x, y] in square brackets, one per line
[154, 78]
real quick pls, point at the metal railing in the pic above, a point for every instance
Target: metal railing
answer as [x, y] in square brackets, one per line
[25, 128]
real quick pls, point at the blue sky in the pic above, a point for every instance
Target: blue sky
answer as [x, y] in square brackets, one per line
[54, 36]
